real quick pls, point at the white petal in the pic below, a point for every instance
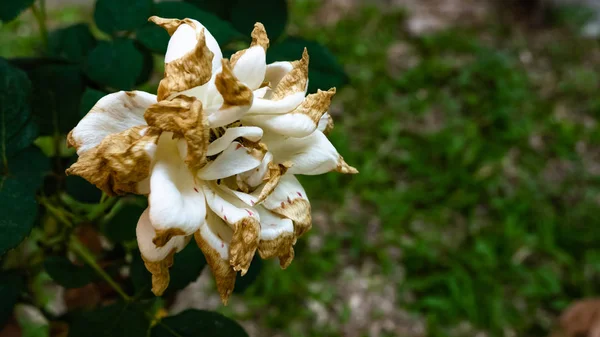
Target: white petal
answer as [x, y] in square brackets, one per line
[235, 159]
[287, 191]
[227, 207]
[272, 226]
[276, 71]
[145, 234]
[289, 124]
[250, 133]
[113, 113]
[256, 176]
[217, 234]
[220, 117]
[176, 201]
[184, 40]
[310, 155]
[323, 122]
[267, 106]
[250, 68]
[261, 92]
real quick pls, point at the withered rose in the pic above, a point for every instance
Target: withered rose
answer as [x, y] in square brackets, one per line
[215, 151]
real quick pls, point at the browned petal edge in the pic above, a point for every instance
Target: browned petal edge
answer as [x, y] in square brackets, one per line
[246, 234]
[223, 272]
[119, 162]
[272, 177]
[259, 38]
[316, 105]
[189, 71]
[343, 167]
[184, 116]
[282, 247]
[160, 272]
[164, 235]
[329, 126]
[170, 25]
[294, 81]
[298, 210]
[234, 92]
[71, 141]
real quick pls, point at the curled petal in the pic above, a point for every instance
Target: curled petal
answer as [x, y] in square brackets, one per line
[158, 260]
[310, 155]
[277, 237]
[235, 159]
[183, 116]
[213, 238]
[177, 204]
[244, 221]
[294, 81]
[188, 71]
[325, 123]
[249, 65]
[250, 133]
[276, 71]
[300, 122]
[121, 162]
[188, 31]
[234, 101]
[289, 200]
[113, 113]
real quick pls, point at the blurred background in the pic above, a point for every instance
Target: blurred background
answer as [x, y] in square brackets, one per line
[474, 125]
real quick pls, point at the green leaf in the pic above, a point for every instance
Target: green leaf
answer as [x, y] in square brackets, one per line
[89, 99]
[121, 227]
[11, 285]
[192, 323]
[65, 273]
[116, 320]
[243, 282]
[112, 16]
[324, 70]
[157, 39]
[16, 129]
[18, 205]
[57, 91]
[147, 64]
[73, 43]
[220, 8]
[116, 64]
[187, 266]
[12, 8]
[273, 14]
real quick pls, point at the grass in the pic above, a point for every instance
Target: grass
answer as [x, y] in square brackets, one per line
[477, 201]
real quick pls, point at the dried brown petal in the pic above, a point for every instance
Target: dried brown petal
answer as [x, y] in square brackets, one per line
[171, 25]
[259, 38]
[298, 210]
[343, 167]
[282, 247]
[234, 92]
[294, 81]
[163, 236]
[244, 243]
[316, 105]
[329, 126]
[272, 177]
[183, 116]
[223, 272]
[160, 272]
[189, 71]
[119, 162]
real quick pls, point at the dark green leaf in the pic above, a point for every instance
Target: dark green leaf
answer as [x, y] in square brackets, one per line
[57, 91]
[221, 8]
[89, 99]
[273, 14]
[72, 43]
[192, 323]
[187, 266]
[116, 64]
[10, 9]
[116, 320]
[65, 273]
[324, 70]
[16, 129]
[140, 277]
[156, 38]
[121, 227]
[117, 15]
[17, 196]
[147, 64]
[243, 282]
[11, 285]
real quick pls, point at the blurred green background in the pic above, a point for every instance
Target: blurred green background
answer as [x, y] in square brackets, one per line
[474, 125]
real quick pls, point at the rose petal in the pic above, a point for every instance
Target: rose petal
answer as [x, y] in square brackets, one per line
[177, 204]
[113, 113]
[250, 133]
[235, 159]
[290, 201]
[277, 237]
[233, 99]
[325, 123]
[249, 65]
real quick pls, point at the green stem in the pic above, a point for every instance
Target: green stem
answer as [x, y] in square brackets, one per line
[88, 258]
[40, 16]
